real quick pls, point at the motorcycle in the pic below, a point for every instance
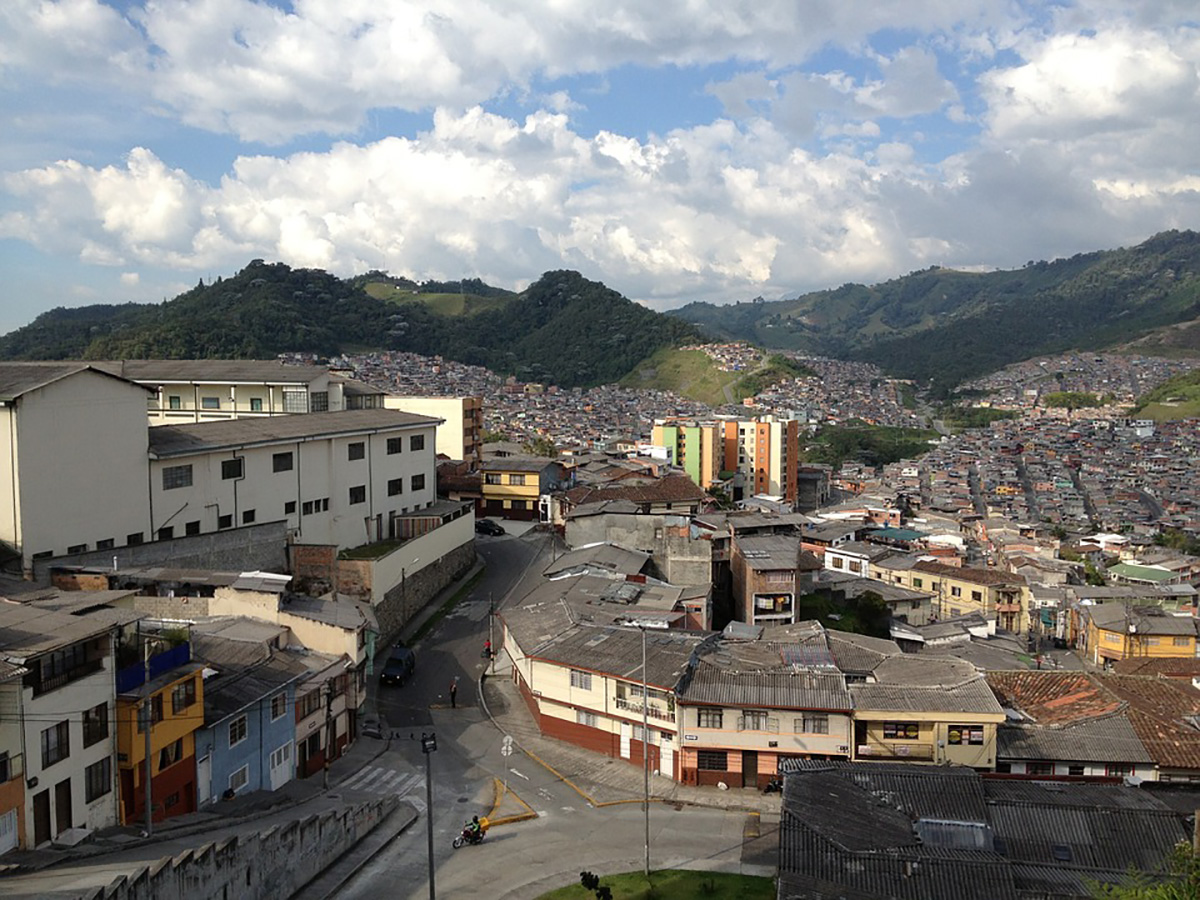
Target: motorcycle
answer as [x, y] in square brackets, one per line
[469, 836]
[775, 785]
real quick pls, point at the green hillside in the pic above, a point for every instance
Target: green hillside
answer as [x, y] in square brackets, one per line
[1178, 398]
[563, 329]
[691, 374]
[946, 326]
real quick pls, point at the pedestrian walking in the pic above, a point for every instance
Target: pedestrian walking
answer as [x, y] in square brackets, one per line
[454, 693]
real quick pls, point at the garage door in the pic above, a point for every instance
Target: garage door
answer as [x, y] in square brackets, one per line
[8, 831]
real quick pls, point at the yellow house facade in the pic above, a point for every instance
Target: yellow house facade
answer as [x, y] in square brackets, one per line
[512, 486]
[1116, 631]
[941, 724]
[175, 700]
[961, 590]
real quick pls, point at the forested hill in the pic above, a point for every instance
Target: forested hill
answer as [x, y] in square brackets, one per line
[946, 325]
[563, 329]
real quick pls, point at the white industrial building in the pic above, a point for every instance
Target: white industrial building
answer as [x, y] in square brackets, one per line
[81, 469]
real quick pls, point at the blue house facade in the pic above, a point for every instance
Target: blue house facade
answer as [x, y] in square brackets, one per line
[248, 739]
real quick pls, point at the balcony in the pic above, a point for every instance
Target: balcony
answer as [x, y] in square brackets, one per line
[1008, 607]
[45, 685]
[894, 750]
[653, 712]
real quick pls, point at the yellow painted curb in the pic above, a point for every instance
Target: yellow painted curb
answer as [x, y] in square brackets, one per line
[499, 792]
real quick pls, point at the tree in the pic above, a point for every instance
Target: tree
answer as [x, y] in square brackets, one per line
[1182, 863]
[541, 446]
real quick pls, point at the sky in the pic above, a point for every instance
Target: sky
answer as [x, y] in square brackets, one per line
[710, 150]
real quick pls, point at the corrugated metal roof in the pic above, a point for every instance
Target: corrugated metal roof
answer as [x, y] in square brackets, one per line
[971, 697]
[799, 690]
[1111, 739]
[202, 437]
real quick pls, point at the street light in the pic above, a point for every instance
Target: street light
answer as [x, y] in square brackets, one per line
[646, 747]
[429, 746]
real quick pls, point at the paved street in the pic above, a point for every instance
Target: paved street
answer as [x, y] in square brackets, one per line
[519, 859]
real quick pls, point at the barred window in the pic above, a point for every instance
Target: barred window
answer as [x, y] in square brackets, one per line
[813, 723]
[581, 680]
[176, 477]
[712, 760]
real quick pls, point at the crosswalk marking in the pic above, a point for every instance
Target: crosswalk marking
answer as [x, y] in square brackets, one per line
[380, 780]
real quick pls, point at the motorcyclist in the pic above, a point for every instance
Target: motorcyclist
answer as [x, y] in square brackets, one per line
[474, 829]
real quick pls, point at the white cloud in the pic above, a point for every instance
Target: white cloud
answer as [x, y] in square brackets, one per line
[268, 74]
[1077, 85]
[130, 279]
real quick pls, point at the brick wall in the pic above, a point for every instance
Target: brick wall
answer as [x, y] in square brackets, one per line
[314, 561]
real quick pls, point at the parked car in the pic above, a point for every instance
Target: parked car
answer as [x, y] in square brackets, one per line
[487, 526]
[399, 666]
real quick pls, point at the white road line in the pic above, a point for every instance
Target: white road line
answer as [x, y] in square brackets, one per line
[518, 774]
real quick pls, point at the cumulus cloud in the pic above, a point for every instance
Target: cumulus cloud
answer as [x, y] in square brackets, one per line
[711, 212]
[269, 73]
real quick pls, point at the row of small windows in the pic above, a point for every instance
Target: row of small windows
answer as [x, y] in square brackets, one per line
[293, 402]
[181, 476]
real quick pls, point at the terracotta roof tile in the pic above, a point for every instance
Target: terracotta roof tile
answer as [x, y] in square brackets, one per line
[1053, 698]
[1161, 711]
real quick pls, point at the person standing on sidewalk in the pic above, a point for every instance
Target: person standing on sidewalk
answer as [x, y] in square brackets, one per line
[454, 693]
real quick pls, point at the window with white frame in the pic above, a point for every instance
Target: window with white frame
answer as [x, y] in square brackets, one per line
[813, 723]
[710, 718]
[295, 401]
[239, 779]
[278, 706]
[281, 755]
[581, 680]
[754, 720]
[583, 717]
[237, 731]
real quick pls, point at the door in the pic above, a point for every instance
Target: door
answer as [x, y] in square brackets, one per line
[281, 766]
[750, 768]
[203, 780]
[62, 806]
[666, 757]
[625, 733]
[8, 831]
[41, 817]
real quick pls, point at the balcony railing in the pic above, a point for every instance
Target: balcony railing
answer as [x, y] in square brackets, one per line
[43, 685]
[653, 712]
[895, 750]
[133, 677]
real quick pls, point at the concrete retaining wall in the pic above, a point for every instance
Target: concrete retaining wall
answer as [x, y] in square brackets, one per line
[238, 550]
[270, 865]
[404, 600]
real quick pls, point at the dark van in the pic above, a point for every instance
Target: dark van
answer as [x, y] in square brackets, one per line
[399, 666]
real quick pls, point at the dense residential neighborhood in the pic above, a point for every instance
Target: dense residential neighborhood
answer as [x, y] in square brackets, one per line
[208, 622]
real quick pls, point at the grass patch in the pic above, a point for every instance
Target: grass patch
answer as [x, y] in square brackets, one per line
[371, 551]
[432, 622]
[873, 445]
[674, 884]
[689, 373]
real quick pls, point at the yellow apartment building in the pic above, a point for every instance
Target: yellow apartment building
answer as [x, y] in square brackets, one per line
[1115, 631]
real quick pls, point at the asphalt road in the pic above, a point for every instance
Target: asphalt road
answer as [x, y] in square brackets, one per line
[520, 859]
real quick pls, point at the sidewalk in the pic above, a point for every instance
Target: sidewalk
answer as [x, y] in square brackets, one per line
[600, 780]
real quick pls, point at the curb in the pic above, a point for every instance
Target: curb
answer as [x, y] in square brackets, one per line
[670, 801]
[499, 794]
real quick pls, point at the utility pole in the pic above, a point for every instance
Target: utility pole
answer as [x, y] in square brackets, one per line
[646, 748]
[491, 634]
[148, 719]
[328, 733]
[428, 746]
